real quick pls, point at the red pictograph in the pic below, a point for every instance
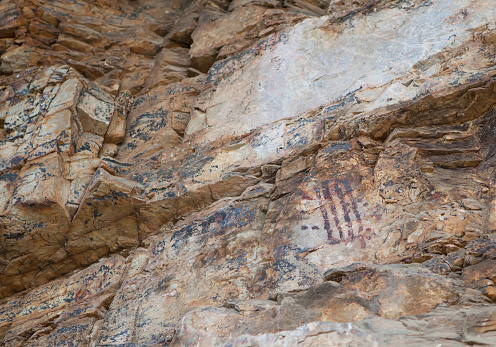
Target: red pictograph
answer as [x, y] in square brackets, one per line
[340, 212]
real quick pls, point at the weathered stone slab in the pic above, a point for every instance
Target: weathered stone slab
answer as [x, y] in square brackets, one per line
[117, 127]
[291, 68]
[261, 318]
[105, 218]
[440, 325]
[153, 112]
[183, 268]
[210, 36]
[45, 303]
[55, 133]
[18, 58]
[67, 96]
[44, 151]
[347, 208]
[95, 115]
[10, 18]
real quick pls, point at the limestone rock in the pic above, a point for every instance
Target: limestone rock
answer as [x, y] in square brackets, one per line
[247, 172]
[49, 159]
[438, 326]
[60, 303]
[95, 115]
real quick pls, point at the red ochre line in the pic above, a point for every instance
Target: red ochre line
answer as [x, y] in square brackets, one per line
[323, 211]
[326, 192]
[328, 196]
[344, 207]
[354, 205]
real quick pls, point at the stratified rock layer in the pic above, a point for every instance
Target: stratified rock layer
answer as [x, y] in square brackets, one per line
[247, 173]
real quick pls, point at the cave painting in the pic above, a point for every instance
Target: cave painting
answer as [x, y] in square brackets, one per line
[341, 212]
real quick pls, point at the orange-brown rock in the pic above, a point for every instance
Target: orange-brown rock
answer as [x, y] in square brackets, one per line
[247, 172]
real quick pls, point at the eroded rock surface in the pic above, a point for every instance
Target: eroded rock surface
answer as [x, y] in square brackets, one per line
[247, 173]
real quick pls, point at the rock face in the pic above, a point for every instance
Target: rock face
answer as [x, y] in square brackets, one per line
[247, 173]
